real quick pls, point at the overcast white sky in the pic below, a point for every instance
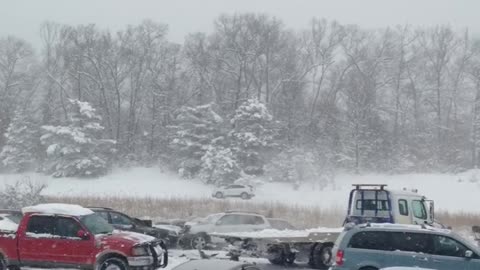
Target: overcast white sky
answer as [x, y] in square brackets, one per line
[23, 17]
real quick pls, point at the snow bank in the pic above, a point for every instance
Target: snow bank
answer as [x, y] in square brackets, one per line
[58, 209]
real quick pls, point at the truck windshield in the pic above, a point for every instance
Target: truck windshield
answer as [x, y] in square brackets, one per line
[96, 224]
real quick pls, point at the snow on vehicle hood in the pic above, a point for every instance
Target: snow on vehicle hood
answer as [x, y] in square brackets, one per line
[8, 225]
[132, 237]
[58, 209]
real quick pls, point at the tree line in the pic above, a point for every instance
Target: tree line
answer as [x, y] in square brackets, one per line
[252, 97]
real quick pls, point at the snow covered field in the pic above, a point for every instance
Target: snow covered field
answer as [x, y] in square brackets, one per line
[455, 193]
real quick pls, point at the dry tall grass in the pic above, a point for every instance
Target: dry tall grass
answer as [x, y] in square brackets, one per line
[183, 208]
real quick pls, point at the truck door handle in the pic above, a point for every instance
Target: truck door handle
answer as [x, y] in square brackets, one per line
[423, 259]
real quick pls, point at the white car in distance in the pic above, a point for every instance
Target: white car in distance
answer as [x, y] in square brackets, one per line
[243, 191]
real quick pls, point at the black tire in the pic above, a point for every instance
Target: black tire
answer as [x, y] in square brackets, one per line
[245, 196]
[3, 264]
[368, 268]
[199, 241]
[278, 256]
[219, 195]
[111, 263]
[322, 257]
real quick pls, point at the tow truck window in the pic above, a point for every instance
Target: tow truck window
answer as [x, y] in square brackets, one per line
[372, 205]
[403, 207]
[419, 210]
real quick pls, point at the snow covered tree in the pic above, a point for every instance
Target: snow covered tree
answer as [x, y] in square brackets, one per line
[251, 135]
[219, 166]
[22, 143]
[77, 149]
[195, 130]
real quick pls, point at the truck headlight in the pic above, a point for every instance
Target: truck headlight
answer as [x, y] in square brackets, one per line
[140, 251]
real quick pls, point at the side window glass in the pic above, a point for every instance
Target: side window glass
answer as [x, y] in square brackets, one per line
[258, 220]
[67, 227]
[104, 215]
[413, 242]
[403, 207]
[119, 219]
[446, 246]
[419, 210]
[229, 220]
[370, 240]
[41, 225]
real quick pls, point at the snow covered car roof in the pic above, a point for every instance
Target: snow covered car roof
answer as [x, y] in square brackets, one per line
[215, 264]
[58, 209]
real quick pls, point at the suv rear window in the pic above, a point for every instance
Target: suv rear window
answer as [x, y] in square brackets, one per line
[370, 240]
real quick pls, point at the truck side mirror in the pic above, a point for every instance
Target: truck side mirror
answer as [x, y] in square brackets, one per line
[83, 235]
[468, 254]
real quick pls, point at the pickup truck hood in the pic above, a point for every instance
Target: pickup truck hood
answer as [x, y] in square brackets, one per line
[124, 237]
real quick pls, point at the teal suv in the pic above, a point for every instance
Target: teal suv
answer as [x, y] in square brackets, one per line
[377, 246]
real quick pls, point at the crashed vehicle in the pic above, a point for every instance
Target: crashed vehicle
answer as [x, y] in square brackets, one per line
[124, 222]
[70, 236]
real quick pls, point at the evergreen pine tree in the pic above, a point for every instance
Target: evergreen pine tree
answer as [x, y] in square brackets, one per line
[77, 149]
[22, 143]
[219, 166]
[195, 130]
[251, 135]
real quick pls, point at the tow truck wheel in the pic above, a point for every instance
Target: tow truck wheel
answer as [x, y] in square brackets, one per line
[322, 256]
[113, 264]
[278, 256]
[219, 195]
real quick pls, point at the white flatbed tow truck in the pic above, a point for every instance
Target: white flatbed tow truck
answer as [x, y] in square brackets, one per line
[368, 203]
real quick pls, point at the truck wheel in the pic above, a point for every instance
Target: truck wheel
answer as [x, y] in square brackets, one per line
[278, 256]
[322, 256]
[245, 196]
[219, 195]
[3, 264]
[113, 264]
[199, 241]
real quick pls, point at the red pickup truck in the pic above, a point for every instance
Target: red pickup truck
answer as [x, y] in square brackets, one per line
[70, 236]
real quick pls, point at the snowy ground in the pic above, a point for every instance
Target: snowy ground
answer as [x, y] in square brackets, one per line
[456, 193]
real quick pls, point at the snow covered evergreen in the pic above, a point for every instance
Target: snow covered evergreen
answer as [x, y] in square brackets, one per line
[77, 148]
[219, 166]
[195, 130]
[22, 143]
[251, 135]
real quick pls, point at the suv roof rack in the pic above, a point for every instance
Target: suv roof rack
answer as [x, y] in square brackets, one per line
[99, 207]
[241, 211]
[379, 186]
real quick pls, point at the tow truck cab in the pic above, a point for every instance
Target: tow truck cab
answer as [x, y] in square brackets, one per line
[377, 204]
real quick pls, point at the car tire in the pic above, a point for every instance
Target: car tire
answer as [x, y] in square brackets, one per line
[113, 263]
[3, 264]
[245, 196]
[368, 268]
[219, 195]
[199, 241]
[322, 256]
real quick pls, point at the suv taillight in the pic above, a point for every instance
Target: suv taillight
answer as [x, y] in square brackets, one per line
[339, 258]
